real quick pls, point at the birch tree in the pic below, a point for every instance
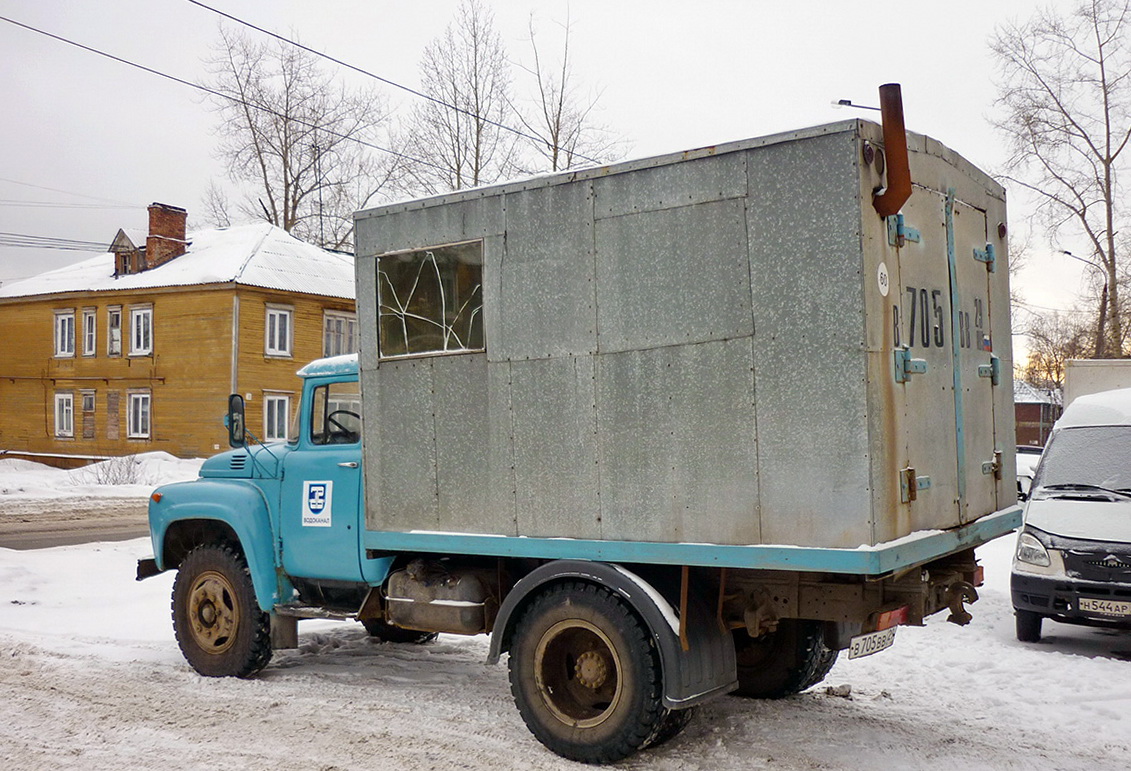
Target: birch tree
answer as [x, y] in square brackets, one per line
[1065, 109]
[292, 138]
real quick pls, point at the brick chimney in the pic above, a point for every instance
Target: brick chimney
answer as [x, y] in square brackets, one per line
[166, 238]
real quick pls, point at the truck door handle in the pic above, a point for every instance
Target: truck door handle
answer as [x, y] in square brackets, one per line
[349, 464]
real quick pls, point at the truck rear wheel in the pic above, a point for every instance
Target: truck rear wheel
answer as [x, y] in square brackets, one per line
[585, 674]
[219, 626]
[783, 662]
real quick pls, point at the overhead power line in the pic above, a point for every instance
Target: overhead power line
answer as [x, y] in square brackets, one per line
[60, 205]
[215, 93]
[49, 242]
[67, 192]
[386, 81]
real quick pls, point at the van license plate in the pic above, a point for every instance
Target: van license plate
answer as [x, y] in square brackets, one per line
[1105, 607]
[867, 644]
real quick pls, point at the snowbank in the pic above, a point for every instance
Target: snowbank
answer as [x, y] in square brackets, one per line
[125, 477]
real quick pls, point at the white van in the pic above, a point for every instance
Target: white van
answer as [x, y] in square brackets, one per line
[1073, 558]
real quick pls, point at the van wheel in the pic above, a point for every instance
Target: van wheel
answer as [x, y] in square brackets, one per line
[1028, 626]
[220, 628]
[783, 662]
[585, 674]
[380, 630]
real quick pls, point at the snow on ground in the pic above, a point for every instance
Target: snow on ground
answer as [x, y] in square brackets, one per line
[91, 678]
[122, 477]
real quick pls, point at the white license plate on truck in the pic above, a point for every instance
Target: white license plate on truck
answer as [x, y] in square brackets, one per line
[1105, 607]
[867, 644]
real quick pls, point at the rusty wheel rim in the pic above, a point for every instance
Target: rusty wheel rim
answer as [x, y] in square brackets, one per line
[213, 612]
[578, 673]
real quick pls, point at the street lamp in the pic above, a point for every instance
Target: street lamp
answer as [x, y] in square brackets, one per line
[1100, 324]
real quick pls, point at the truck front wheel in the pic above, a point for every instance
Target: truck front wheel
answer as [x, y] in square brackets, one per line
[585, 674]
[783, 662]
[1028, 626]
[220, 628]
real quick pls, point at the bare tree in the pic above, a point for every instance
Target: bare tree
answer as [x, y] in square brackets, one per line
[561, 116]
[1054, 338]
[1065, 97]
[295, 139]
[459, 136]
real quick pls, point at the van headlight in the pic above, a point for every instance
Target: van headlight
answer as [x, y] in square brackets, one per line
[1031, 551]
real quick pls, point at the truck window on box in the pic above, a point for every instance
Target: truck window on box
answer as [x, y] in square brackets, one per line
[431, 300]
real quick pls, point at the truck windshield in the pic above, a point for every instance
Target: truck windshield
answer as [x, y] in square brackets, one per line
[1097, 457]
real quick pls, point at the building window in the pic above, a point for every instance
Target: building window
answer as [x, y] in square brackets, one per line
[89, 333]
[114, 331]
[65, 414]
[141, 331]
[279, 331]
[430, 300]
[87, 414]
[276, 417]
[339, 333]
[137, 416]
[65, 333]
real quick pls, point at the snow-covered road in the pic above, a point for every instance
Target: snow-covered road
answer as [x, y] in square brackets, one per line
[91, 678]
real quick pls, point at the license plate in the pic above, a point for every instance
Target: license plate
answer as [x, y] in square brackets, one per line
[867, 644]
[1105, 607]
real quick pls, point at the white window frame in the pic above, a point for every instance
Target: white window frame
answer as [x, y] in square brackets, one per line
[65, 333]
[113, 344]
[64, 415]
[139, 419]
[276, 416]
[141, 330]
[273, 342]
[339, 333]
[89, 331]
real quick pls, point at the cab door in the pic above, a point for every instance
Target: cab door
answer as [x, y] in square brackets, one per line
[321, 488]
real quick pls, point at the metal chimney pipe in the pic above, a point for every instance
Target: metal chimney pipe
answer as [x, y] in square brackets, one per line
[898, 189]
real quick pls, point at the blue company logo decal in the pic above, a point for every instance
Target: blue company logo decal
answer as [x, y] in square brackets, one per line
[317, 503]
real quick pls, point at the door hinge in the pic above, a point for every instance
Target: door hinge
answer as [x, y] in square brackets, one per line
[987, 256]
[991, 370]
[910, 485]
[900, 233]
[993, 466]
[905, 366]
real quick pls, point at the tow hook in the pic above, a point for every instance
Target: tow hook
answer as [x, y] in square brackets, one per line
[957, 594]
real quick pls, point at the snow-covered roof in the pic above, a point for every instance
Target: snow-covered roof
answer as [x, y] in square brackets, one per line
[259, 255]
[1024, 393]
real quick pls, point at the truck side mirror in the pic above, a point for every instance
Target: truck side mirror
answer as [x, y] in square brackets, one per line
[235, 422]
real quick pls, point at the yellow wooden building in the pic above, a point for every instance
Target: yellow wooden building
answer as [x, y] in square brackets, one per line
[137, 349]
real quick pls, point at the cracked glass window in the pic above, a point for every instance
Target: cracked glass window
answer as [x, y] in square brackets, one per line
[431, 300]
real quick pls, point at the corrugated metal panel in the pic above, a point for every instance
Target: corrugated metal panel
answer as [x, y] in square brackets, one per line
[809, 361]
[555, 424]
[677, 443]
[672, 277]
[547, 275]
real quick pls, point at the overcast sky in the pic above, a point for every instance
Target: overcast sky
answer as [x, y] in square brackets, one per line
[89, 143]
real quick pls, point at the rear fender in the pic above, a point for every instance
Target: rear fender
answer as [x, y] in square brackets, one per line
[705, 670]
[185, 514]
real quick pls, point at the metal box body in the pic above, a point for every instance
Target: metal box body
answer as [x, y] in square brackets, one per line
[702, 348]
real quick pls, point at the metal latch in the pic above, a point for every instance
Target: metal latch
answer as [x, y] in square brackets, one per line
[991, 370]
[905, 366]
[899, 233]
[987, 256]
[910, 485]
[993, 466]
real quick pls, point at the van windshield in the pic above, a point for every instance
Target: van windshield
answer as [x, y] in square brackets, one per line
[1097, 457]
